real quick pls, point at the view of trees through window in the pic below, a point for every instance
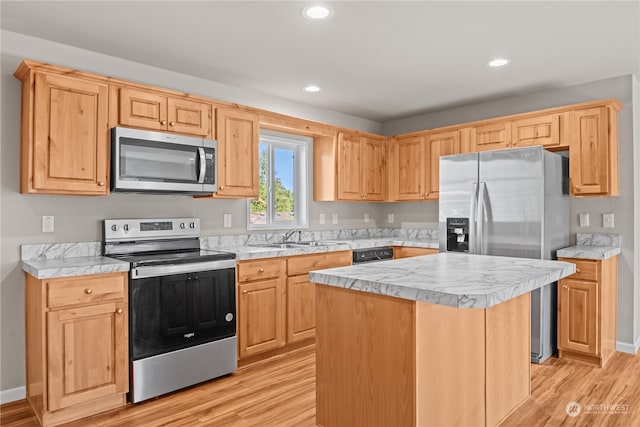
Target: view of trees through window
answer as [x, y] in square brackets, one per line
[276, 201]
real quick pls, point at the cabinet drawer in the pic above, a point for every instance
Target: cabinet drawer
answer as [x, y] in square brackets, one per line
[303, 264]
[258, 270]
[85, 289]
[585, 269]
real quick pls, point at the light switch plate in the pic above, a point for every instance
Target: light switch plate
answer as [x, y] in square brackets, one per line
[607, 220]
[584, 219]
[322, 219]
[227, 220]
[390, 218]
[334, 218]
[47, 224]
[366, 218]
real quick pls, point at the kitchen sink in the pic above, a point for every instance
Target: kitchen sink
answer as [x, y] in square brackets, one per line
[303, 244]
[278, 245]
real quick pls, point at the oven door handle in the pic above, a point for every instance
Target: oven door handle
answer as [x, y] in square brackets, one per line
[170, 269]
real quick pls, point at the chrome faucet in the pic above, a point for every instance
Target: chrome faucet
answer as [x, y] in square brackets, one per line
[290, 233]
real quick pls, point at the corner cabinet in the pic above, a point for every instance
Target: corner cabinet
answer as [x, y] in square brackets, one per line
[587, 309]
[64, 134]
[237, 132]
[77, 346]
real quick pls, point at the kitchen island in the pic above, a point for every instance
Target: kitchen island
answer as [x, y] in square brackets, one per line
[434, 340]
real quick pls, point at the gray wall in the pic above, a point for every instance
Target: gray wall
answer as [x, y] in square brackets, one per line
[622, 207]
[78, 218]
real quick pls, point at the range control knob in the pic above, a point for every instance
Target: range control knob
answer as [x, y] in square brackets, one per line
[192, 225]
[114, 227]
[125, 227]
[182, 225]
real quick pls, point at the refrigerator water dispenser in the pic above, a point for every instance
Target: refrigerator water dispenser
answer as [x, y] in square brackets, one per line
[458, 234]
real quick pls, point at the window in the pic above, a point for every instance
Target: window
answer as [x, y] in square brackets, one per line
[282, 201]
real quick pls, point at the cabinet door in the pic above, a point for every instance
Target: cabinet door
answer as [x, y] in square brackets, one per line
[374, 173]
[301, 309]
[407, 169]
[578, 303]
[190, 117]
[350, 167]
[588, 153]
[493, 136]
[262, 316]
[142, 109]
[539, 130]
[238, 141]
[70, 136]
[87, 353]
[407, 251]
[440, 144]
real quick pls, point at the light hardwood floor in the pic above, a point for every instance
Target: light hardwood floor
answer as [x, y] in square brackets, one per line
[281, 392]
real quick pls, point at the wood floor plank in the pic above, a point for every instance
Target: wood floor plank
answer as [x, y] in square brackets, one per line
[280, 392]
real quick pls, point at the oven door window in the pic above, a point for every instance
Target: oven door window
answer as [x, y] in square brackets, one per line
[157, 161]
[173, 312]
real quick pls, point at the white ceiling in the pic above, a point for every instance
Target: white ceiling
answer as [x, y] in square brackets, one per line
[379, 60]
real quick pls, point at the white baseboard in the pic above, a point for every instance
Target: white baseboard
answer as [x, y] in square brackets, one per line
[13, 394]
[628, 348]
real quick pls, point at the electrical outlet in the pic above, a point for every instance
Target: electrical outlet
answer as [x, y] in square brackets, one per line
[323, 219]
[366, 218]
[607, 220]
[584, 219]
[334, 218]
[390, 218]
[226, 220]
[47, 224]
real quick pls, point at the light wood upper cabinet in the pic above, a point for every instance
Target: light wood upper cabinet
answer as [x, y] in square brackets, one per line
[64, 148]
[238, 163]
[492, 136]
[440, 144]
[407, 169]
[156, 111]
[77, 345]
[593, 153]
[539, 130]
[349, 167]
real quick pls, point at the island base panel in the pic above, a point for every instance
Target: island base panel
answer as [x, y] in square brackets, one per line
[389, 361]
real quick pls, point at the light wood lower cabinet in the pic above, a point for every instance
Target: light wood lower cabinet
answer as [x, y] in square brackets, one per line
[587, 309]
[276, 301]
[77, 346]
[411, 251]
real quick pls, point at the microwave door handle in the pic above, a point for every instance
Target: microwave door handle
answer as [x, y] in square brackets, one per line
[203, 165]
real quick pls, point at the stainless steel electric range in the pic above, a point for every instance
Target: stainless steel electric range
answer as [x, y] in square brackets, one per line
[182, 304]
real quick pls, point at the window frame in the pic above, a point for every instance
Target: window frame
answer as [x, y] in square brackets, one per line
[301, 169]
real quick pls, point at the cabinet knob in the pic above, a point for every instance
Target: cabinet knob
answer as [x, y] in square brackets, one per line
[119, 311]
[221, 187]
[577, 270]
[172, 123]
[576, 188]
[163, 122]
[101, 183]
[88, 291]
[245, 291]
[261, 270]
[565, 287]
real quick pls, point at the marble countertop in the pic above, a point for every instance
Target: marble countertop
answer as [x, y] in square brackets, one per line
[589, 252]
[452, 279]
[74, 266]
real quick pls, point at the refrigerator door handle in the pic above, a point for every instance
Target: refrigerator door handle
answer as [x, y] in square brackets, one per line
[473, 239]
[480, 220]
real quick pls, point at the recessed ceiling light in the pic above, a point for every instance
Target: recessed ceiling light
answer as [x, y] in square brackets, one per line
[498, 62]
[317, 12]
[311, 88]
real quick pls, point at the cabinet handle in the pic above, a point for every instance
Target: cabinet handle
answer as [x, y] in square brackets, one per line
[101, 183]
[88, 291]
[172, 123]
[261, 270]
[163, 122]
[119, 311]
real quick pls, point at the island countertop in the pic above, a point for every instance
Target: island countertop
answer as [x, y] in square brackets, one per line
[451, 279]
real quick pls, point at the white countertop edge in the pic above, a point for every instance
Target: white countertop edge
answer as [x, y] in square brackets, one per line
[589, 252]
[75, 266]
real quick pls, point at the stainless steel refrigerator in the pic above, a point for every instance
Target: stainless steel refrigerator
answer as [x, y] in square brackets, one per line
[511, 203]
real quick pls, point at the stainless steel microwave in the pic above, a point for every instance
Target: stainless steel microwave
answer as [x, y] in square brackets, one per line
[157, 162]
